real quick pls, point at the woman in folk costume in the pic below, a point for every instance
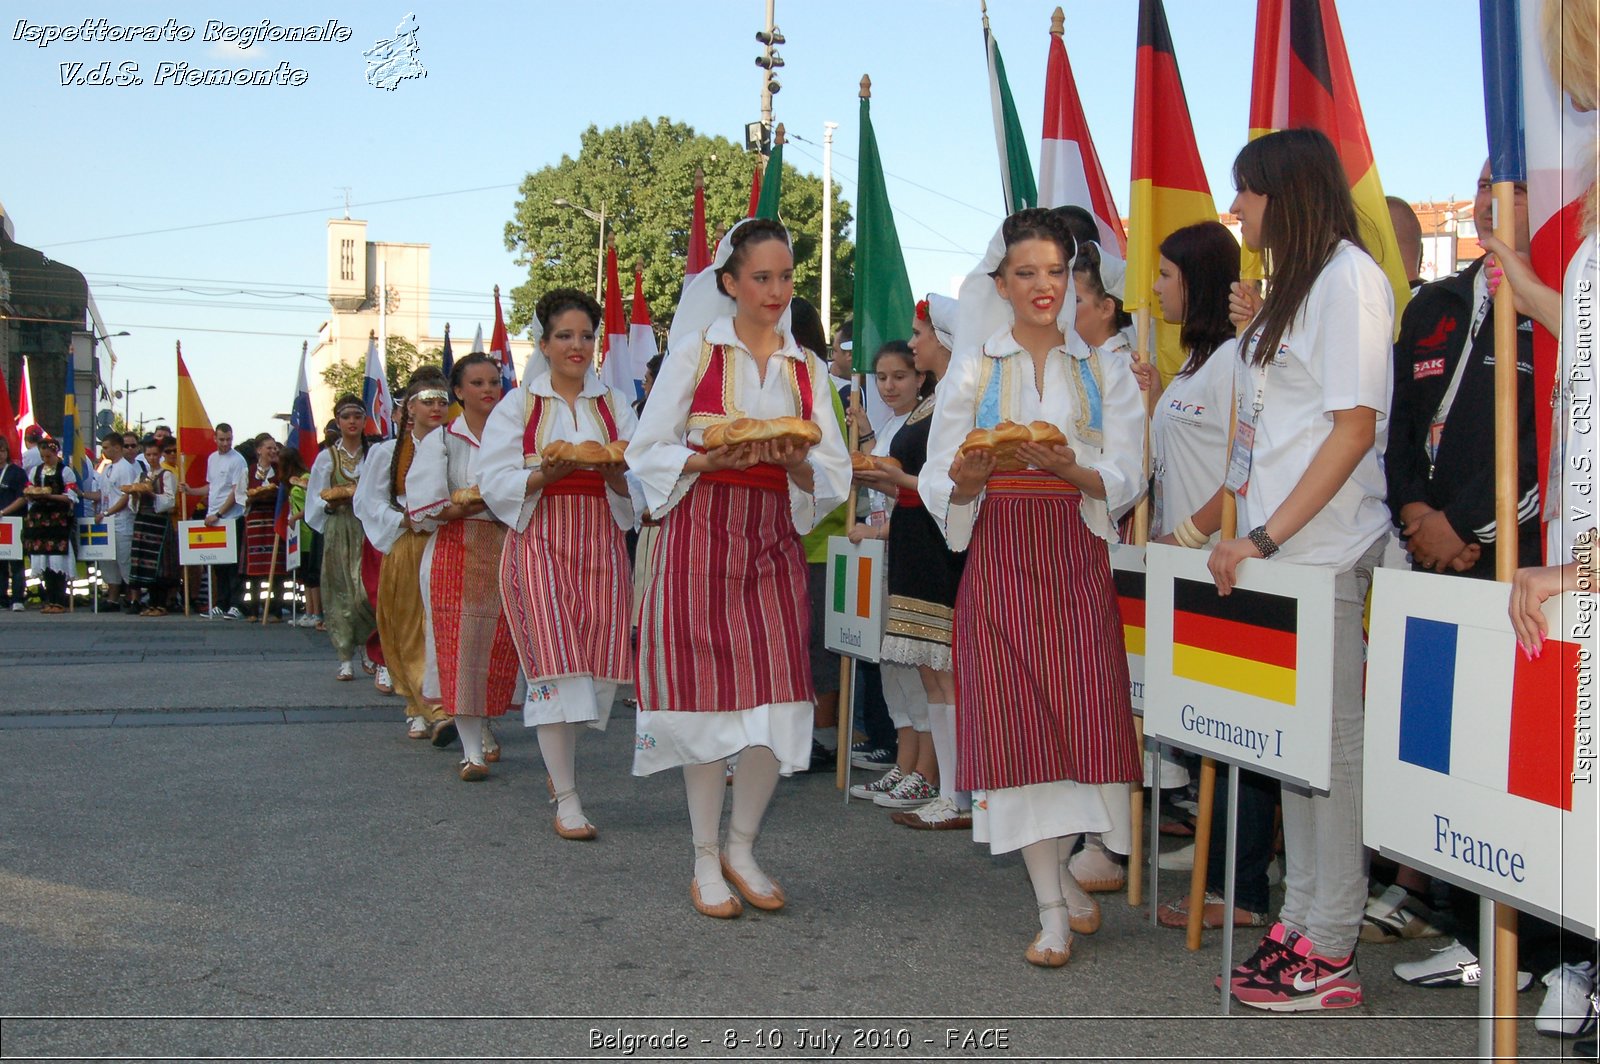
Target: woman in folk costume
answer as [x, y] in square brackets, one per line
[924, 575]
[564, 573]
[50, 529]
[153, 561]
[347, 613]
[1044, 725]
[476, 659]
[381, 504]
[260, 506]
[723, 655]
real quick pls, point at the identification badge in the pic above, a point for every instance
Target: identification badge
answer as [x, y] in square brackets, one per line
[1244, 442]
[1435, 434]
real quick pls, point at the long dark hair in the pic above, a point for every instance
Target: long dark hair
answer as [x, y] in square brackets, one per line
[805, 324]
[405, 448]
[1207, 258]
[1309, 211]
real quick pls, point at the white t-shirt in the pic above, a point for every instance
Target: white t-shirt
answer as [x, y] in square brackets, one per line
[1189, 439]
[111, 480]
[226, 476]
[1570, 497]
[1336, 355]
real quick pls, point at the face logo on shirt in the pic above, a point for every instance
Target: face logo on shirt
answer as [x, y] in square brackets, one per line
[1193, 409]
[1428, 367]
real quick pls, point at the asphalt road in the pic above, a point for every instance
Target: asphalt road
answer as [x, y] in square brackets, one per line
[210, 849]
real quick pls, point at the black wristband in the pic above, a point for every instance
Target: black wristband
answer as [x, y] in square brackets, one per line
[1263, 542]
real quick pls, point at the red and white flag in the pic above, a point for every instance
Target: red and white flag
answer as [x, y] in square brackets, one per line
[641, 334]
[25, 418]
[1069, 169]
[375, 394]
[616, 364]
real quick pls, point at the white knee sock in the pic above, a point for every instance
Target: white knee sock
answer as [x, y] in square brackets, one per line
[704, 785]
[753, 785]
[942, 725]
[558, 745]
[1044, 872]
[471, 731]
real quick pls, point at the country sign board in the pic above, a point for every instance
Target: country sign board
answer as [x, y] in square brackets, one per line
[10, 539]
[1480, 759]
[1247, 677]
[1127, 573]
[853, 598]
[203, 544]
[97, 540]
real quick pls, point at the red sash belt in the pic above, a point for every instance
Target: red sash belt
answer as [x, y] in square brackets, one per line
[1034, 482]
[579, 482]
[910, 497]
[762, 477]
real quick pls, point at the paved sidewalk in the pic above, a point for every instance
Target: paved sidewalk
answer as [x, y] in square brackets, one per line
[313, 863]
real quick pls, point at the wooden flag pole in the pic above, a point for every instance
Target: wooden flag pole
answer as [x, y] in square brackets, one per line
[847, 664]
[1504, 964]
[272, 572]
[181, 506]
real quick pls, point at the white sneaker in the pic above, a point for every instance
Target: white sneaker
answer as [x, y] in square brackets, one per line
[17, 607]
[1567, 1010]
[1450, 965]
[882, 785]
[233, 614]
[1179, 860]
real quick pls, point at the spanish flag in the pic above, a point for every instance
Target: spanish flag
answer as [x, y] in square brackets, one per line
[196, 439]
[1245, 641]
[1169, 182]
[203, 537]
[1302, 79]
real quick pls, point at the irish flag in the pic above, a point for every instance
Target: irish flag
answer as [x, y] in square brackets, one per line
[852, 586]
[1069, 167]
[1169, 182]
[1302, 78]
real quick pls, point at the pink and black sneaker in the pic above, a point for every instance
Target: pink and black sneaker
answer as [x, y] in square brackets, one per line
[1294, 979]
[1277, 942]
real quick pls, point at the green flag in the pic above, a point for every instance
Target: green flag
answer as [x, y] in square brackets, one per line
[883, 303]
[771, 184]
[1016, 172]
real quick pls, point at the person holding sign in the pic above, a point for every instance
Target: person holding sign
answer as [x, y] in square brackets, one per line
[1044, 721]
[13, 578]
[347, 613]
[551, 468]
[380, 502]
[50, 528]
[1312, 385]
[153, 558]
[729, 558]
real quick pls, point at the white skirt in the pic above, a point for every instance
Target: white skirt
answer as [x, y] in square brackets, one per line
[569, 700]
[430, 657]
[1013, 817]
[672, 738]
[905, 696]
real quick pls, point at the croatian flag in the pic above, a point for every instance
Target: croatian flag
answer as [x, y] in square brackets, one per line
[500, 349]
[303, 434]
[1536, 136]
[375, 394]
[1466, 716]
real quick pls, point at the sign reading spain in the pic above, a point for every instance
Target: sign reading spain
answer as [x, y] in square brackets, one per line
[1245, 677]
[853, 624]
[1479, 759]
[10, 539]
[203, 544]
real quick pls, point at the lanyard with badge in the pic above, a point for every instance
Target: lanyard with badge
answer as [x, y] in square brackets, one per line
[1244, 432]
[1436, 429]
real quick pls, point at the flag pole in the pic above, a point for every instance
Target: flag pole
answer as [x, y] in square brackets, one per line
[272, 572]
[1141, 536]
[1504, 965]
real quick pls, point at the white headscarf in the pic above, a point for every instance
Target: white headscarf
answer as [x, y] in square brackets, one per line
[981, 313]
[942, 318]
[537, 362]
[703, 300]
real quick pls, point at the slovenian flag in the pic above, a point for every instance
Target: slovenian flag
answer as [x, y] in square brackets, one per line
[1069, 167]
[852, 586]
[1245, 641]
[1469, 723]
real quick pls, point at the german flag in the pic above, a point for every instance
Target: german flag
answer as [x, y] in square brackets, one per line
[1130, 604]
[1169, 181]
[203, 538]
[1302, 80]
[1245, 641]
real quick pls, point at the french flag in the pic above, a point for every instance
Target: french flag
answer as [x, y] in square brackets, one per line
[1536, 136]
[1463, 714]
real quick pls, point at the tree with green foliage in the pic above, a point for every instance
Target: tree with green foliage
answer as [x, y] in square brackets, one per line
[643, 173]
[401, 359]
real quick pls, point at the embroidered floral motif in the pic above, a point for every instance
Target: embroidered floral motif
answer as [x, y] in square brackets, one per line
[545, 692]
[644, 742]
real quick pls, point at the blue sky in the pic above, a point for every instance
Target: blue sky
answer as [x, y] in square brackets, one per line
[511, 86]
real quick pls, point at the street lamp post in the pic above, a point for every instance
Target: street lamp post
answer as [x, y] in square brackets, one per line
[126, 396]
[600, 251]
